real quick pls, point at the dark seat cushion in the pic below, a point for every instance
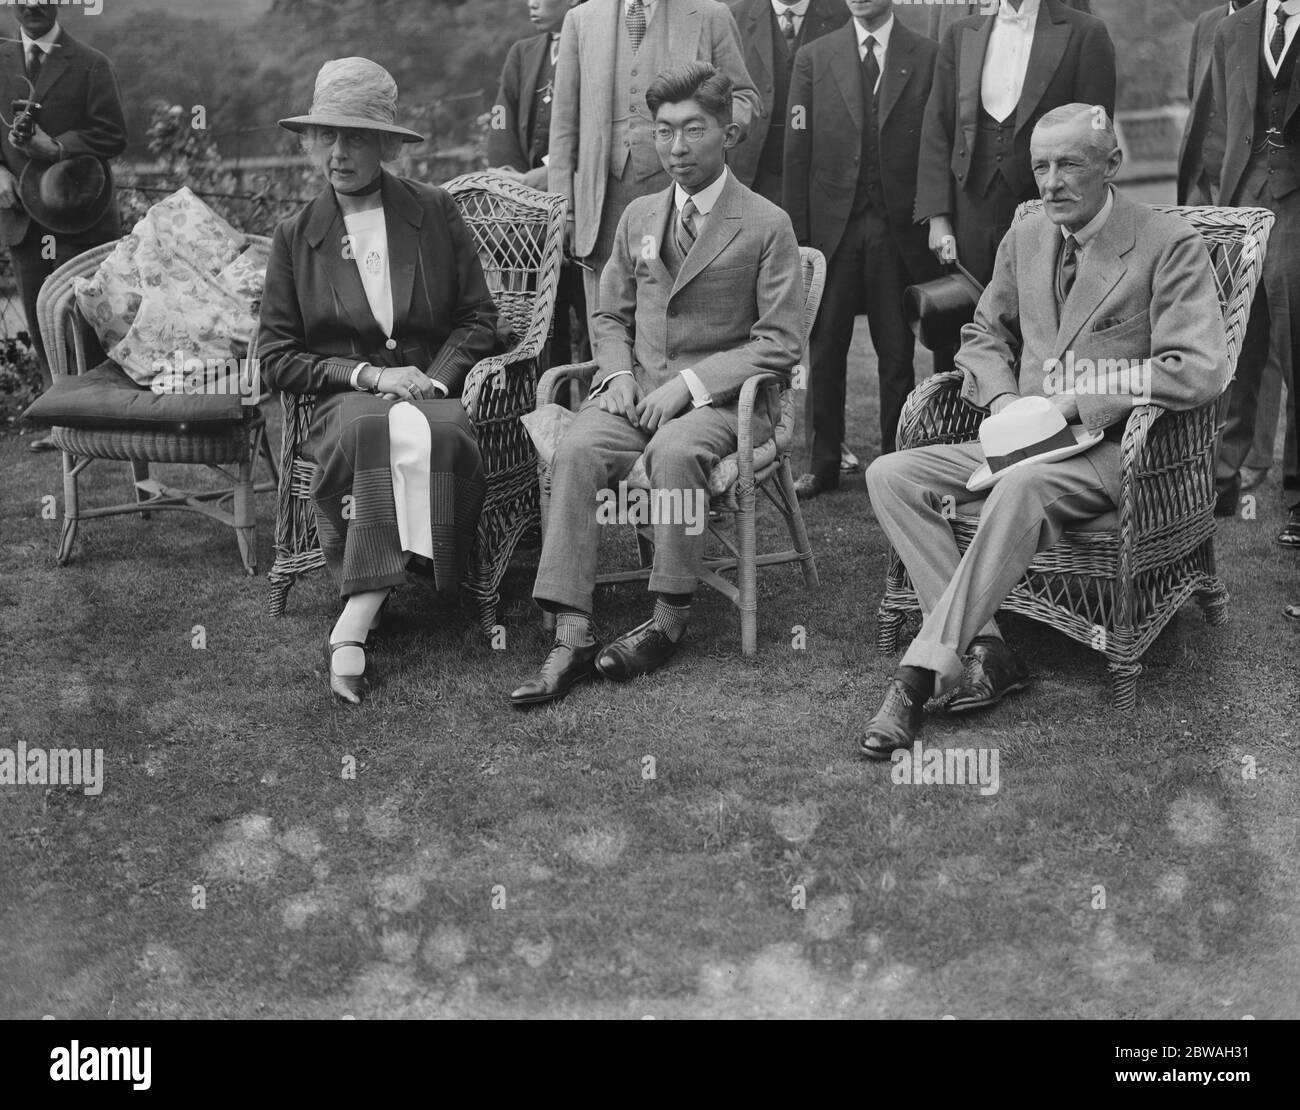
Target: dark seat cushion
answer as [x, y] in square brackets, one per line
[105, 398]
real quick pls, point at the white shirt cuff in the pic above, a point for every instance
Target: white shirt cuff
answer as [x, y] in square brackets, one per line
[356, 376]
[605, 382]
[699, 395]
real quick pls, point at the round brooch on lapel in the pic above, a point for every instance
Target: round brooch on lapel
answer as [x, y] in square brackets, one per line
[373, 262]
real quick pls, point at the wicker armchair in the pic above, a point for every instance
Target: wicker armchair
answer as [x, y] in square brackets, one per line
[1115, 583]
[751, 468]
[234, 445]
[520, 237]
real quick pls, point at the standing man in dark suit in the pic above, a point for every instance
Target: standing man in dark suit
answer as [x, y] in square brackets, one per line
[1253, 153]
[850, 186]
[518, 140]
[996, 77]
[943, 16]
[80, 114]
[1194, 186]
[772, 31]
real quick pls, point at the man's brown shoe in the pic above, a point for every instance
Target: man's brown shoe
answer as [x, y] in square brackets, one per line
[993, 670]
[897, 722]
[564, 667]
[635, 653]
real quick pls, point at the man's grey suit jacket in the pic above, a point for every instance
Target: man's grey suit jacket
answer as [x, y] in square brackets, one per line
[1144, 289]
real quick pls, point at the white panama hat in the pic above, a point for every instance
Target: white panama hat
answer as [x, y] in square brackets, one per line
[1028, 430]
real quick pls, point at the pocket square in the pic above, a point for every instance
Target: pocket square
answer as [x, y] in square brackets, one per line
[1107, 322]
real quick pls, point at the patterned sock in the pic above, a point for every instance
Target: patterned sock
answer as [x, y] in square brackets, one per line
[918, 680]
[573, 629]
[671, 619]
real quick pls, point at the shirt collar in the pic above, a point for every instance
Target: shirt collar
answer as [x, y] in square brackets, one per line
[881, 34]
[45, 42]
[1291, 7]
[1028, 11]
[705, 199]
[1092, 228]
[798, 10]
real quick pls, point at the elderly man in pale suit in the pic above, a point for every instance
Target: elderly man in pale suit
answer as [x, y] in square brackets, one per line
[601, 154]
[1095, 275]
[703, 289]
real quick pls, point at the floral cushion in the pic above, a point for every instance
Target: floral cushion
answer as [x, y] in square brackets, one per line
[175, 289]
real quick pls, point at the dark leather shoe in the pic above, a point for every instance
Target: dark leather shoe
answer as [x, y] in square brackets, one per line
[564, 667]
[635, 653]
[897, 723]
[44, 443]
[1228, 501]
[993, 671]
[808, 486]
[1290, 535]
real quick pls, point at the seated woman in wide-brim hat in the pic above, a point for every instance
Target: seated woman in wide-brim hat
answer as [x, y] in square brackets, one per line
[376, 303]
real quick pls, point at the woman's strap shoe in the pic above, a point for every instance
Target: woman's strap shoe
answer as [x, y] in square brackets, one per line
[349, 687]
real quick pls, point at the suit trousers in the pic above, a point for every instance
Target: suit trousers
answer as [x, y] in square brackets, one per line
[596, 453]
[31, 269]
[1274, 326]
[915, 492]
[619, 193]
[872, 266]
[980, 223]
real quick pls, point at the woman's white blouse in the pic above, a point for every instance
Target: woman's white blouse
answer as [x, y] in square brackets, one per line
[368, 233]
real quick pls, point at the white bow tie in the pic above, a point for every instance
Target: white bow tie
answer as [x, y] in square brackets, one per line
[1016, 18]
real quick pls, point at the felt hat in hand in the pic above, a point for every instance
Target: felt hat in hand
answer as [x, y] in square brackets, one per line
[1028, 430]
[355, 93]
[67, 197]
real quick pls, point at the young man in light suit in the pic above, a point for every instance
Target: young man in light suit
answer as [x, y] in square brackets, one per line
[1095, 275]
[850, 185]
[997, 75]
[601, 153]
[703, 290]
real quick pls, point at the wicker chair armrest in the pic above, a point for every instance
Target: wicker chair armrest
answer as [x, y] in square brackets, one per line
[1166, 474]
[490, 376]
[745, 421]
[556, 376]
[935, 412]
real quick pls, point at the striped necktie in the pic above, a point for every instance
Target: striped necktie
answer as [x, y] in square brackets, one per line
[686, 228]
[1068, 269]
[35, 59]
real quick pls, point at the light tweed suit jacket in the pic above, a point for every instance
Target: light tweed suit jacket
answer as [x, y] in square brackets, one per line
[1144, 289]
[578, 162]
[734, 309]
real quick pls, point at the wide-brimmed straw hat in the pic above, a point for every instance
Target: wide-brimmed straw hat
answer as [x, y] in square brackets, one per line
[356, 93]
[1028, 430]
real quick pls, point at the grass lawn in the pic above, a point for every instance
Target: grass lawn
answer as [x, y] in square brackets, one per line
[485, 862]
